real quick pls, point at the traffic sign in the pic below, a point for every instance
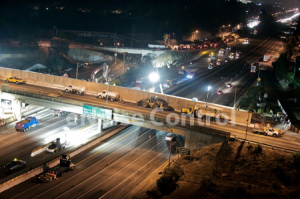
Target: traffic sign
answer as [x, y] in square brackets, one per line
[97, 112]
[183, 151]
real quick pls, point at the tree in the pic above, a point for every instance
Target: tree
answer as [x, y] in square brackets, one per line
[281, 66]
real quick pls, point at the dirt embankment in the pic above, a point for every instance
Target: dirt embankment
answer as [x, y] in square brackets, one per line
[230, 170]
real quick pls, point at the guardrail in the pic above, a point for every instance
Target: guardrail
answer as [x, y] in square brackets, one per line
[266, 145]
[43, 97]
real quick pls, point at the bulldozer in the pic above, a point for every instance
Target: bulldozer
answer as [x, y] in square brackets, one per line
[154, 102]
[191, 110]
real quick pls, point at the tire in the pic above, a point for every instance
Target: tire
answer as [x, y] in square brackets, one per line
[145, 105]
[17, 82]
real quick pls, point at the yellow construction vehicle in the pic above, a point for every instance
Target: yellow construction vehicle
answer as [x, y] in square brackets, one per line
[155, 102]
[191, 110]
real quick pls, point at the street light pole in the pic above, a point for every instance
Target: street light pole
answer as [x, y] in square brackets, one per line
[160, 86]
[123, 63]
[116, 54]
[234, 95]
[77, 71]
[208, 88]
[170, 147]
[247, 126]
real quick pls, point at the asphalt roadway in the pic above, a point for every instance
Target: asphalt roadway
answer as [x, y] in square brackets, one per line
[110, 170]
[19, 145]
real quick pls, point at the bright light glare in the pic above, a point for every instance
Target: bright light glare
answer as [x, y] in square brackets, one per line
[208, 88]
[153, 77]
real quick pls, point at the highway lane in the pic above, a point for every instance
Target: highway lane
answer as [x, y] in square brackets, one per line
[132, 107]
[109, 170]
[235, 71]
[20, 145]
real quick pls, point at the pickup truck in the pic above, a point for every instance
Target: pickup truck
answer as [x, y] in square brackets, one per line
[265, 131]
[26, 124]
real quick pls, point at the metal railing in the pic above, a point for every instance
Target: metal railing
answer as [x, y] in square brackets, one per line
[43, 97]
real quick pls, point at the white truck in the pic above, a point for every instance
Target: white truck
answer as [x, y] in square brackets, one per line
[112, 96]
[75, 89]
[265, 131]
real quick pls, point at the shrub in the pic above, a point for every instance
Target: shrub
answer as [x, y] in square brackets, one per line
[278, 170]
[239, 191]
[275, 185]
[176, 172]
[153, 193]
[205, 183]
[257, 149]
[166, 184]
[249, 147]
[295, 160]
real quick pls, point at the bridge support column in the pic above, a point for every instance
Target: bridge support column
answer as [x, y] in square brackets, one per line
[17, 107]
[112, 123]
[198, 140]
[100, 125]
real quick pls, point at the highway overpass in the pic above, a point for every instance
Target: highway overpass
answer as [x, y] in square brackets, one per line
[127, 112]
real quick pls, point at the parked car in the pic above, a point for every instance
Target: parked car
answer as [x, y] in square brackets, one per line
[14, 165]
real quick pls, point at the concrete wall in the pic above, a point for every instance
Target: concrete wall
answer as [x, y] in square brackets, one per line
[127, 94]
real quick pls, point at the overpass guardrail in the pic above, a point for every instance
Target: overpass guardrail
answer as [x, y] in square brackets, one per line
[43, 97]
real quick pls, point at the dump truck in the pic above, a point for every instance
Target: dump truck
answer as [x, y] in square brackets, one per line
[75, 89]
[155, 102]
[26, 124]
[65, 165]
[264, 130]
[112, 96]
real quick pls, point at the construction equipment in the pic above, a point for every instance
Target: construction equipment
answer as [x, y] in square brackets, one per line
[155, 102]
[191, 110]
